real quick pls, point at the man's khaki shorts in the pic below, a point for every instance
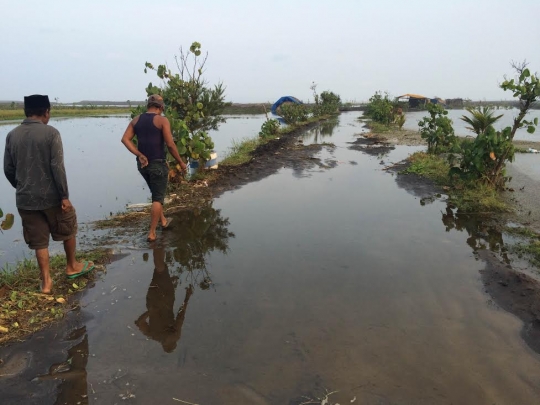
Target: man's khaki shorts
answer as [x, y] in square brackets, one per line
[39, 225]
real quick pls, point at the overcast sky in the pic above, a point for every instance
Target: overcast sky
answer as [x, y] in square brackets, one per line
[261, 50]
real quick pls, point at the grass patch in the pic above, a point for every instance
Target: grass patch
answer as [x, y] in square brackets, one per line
[529, 250]
[430, 166]
[240, 151]
[23, 309]
[66, 112]
[522, 232]
[468, 196]
[379, 128]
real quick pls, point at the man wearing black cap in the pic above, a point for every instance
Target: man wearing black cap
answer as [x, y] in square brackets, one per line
[34, 165]
[153, 133]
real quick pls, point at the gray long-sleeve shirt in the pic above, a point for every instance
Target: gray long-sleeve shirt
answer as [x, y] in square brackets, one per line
[34, 165]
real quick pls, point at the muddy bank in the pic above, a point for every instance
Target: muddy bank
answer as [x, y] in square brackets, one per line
[515, 292]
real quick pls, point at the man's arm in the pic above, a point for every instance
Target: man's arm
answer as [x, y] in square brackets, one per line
[127, 140]
[58, 170]
[169, 141]
[9, 166]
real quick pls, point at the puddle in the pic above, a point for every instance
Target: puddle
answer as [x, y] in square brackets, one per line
[294, 286]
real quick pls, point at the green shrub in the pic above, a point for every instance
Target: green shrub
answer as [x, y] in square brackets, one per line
[294, 113]
[437, 130]
[380, 108]
[269, 128]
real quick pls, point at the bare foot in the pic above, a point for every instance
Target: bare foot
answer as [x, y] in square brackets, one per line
[151, 237]
[46, 286]
[79, 266]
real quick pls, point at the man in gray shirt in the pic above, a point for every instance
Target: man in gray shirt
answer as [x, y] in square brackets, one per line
[34, 165]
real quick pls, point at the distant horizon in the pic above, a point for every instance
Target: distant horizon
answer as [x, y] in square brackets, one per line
[239, 102]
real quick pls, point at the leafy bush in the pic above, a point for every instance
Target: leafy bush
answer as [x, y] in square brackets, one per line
[380, 108]
[437, 130]
[479, 158]
[192, 107]
[269, 128]
[294, 113]
[486, 157]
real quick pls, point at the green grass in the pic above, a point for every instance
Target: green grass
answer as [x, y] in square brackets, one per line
[468, 196]
[240, 151]
[429, 166]
[522, 231]
[529, 250]
[23, 308]
[379, 128]
[66, 112]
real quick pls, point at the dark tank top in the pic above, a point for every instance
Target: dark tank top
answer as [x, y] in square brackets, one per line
[149, 138]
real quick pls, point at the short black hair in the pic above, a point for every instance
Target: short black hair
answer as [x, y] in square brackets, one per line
[35, 112]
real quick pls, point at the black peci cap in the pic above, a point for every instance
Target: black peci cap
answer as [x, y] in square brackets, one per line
[36, 101]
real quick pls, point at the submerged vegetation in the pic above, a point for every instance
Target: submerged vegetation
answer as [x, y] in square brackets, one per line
[23, 309]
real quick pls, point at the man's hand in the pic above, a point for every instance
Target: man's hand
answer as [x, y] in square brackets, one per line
[66, 206]
[183, 167]
[144, 160]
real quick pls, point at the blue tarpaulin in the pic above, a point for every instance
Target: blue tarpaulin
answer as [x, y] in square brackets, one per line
[282, 100]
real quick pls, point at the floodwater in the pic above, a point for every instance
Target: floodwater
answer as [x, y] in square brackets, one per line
[339, 279]
[507, 119]
[102, 174]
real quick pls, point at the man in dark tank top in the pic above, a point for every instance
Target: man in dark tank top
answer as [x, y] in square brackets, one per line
[153, 134]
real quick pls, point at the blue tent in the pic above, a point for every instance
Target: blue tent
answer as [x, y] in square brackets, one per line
[282, 100]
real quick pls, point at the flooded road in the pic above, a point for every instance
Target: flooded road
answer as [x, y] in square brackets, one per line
[93, 152]
[330, 279]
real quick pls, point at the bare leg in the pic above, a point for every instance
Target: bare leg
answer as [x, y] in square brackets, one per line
[73, 266]
[155, 215]
[42, 256]
[162, 218]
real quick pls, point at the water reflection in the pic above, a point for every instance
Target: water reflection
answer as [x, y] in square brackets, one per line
[74, 387]
[481, 233]
[324, 130]
[159, 321]
[198, 233]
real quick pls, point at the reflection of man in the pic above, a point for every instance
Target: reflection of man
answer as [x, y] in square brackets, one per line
[34, 165]
[159, 322]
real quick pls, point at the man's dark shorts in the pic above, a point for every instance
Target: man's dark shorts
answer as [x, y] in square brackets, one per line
[39, 225]
[156, 175]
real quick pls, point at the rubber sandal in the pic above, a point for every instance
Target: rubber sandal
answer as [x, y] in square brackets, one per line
[86, 269]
